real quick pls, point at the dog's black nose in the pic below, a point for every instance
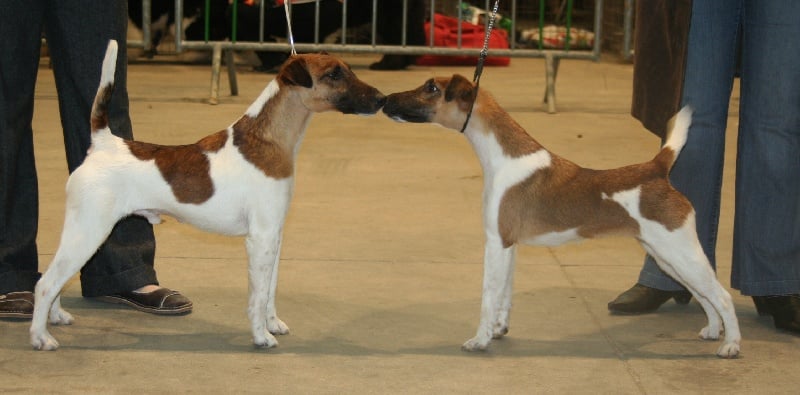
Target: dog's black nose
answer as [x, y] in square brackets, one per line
[381, 100]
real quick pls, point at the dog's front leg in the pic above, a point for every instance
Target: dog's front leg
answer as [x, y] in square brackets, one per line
[497, 263]
[274, 324]
[262, 251]
[501, 323]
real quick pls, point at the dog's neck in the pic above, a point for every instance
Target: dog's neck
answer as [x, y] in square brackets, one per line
[496, 137]
[277, 115]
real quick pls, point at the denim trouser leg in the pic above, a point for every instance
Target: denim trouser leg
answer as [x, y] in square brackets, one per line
[707, 87]
[766, 244]
[766, 238]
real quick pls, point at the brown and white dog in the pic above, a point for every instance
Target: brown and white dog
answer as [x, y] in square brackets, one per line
[535, 197]
[236, 182]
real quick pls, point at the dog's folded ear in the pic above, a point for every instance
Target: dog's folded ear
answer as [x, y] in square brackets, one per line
[295, 72]
[460, 89]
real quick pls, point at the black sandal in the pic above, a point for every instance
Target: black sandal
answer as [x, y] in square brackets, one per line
[16, 305]
[162, 301]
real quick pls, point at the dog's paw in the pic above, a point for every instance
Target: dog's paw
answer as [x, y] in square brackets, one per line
[265, 341]
[43, 342]
[728, 350]
[276, 326]
[475, 344]
[499, 331]
[61, 317]
[709, 333]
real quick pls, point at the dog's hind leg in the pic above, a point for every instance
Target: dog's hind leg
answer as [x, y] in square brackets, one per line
[80, 238]
[680, 255]
[496, 266]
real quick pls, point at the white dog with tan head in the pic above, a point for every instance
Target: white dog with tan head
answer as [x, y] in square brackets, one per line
[237, 181]
[533, 196]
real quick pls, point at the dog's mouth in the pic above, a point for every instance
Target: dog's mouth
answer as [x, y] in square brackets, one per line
[363, 105]
[397, 118]
[408, 118]
[398, 113]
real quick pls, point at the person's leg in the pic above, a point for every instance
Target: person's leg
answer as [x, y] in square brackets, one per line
[766, 239]
[303, 26]
[19, 202]
[710, 67]
[708, 81]
[78, 36]
[248, 29]
[304, 20]
[390, 28]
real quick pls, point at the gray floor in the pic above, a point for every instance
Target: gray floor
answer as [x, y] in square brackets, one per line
[381, 269]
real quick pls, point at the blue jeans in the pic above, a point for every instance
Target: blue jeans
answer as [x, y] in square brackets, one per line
[766, 240]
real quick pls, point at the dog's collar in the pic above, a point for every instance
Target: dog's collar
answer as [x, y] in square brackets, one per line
[471, 105]
[481, 59]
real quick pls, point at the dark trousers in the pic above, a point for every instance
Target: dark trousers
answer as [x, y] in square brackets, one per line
[77, 35]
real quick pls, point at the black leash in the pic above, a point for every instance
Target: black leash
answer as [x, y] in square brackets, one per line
[481, 59]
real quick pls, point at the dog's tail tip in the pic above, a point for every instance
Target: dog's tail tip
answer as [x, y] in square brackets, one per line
[109, 64]
[676, 137]
[679, 131]
[99, 118]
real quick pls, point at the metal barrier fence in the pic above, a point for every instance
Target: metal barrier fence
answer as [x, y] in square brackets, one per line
[627, 47]
[509, 8]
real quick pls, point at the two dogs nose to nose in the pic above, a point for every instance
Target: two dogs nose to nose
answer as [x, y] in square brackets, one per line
[381, 100]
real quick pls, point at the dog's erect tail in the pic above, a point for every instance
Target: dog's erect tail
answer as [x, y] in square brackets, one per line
[99, 120]
[676, 139]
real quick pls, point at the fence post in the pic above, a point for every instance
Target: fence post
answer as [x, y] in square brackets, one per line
[230, 64]
[216, 59]
[551, 71]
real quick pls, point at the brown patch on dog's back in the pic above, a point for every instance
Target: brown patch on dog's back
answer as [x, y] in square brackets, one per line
[264, 154]
[214, 142]
[555, 199]
[184, 167]
[566, 196]
[660, 202]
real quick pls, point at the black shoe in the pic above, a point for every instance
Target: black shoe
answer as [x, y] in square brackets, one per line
[784, 309]
[641, 299]
[162, 301]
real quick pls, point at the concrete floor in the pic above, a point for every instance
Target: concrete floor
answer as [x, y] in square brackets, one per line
[381, 269]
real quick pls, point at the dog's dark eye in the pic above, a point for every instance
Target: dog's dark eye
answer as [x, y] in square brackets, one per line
[431, 87]
[335, 74]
